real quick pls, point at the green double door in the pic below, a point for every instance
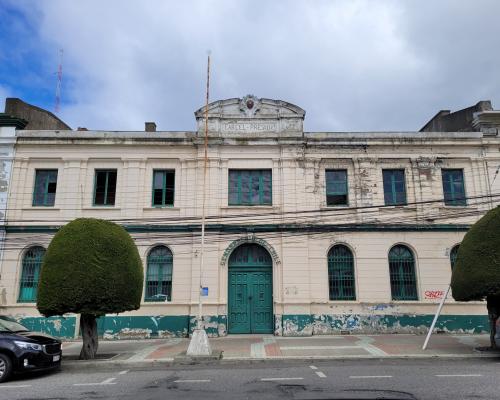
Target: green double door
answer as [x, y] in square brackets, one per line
[250, 287]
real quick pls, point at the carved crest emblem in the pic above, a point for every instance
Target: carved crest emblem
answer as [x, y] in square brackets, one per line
[249, 105]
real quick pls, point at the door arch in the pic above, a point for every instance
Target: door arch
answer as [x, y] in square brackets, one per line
[250, 290]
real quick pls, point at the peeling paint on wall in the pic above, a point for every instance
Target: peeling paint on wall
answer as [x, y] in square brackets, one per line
[55, 326]
[146, 327]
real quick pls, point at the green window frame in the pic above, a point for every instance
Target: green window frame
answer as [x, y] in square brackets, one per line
[105, 187]
[453, 187]
[159, 275]
[336, 187]
[250, 254]
[44, 190]
[250, 187]
[402, 273]
[163, 188]
[453, 256]
[30, 275]
[394, 187]
[341, 281]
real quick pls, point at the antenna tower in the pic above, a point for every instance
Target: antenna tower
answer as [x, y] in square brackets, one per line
[59, 80]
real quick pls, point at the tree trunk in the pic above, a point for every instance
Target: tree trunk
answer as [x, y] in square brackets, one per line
[88, 328]
[493, 305]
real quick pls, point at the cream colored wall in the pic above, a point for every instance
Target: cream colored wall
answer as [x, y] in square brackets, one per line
[300, 278]
[300, 273]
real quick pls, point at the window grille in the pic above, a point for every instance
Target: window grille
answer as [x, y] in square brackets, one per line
[44, 192]
[250, 187]
[453, 187]
[394, 187]
[402, 273]
[250, 254]
[341, 273]
[159, 275]
[31, 266]
[336, 187]
[163, 188]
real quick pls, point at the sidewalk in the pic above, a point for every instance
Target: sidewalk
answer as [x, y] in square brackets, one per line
[268, 347]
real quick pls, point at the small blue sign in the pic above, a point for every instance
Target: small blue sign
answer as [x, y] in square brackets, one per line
[204, 291]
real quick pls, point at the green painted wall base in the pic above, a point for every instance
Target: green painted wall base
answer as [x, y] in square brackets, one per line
[145, 327]
[307, 325]
[55, 326]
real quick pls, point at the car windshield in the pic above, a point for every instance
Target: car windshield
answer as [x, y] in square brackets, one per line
[11, 326]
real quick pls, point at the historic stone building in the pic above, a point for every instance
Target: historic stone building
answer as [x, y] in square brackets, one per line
[307, 232]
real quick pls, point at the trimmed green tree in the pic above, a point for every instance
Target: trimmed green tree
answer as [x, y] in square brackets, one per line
[476, 274]
[91, 267]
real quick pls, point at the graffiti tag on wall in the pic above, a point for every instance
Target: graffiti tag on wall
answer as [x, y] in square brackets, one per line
[434, 294]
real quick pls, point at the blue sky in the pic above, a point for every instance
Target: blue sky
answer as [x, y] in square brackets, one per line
[26, 65]
[351, 64]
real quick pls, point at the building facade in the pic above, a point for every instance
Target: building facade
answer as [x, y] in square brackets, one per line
[307, 232]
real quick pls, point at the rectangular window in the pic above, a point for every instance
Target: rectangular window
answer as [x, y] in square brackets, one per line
[44, 193]
[163, 187]
[105, 187]
[394, 187]
[453, 187]
[336, 187]
[250, 187]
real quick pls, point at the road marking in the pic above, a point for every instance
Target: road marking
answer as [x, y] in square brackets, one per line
[13, 386]
[457, 375]
[369, 376]
[318, 347]
[320, 374]
[280, 379]
[123, 372]
[313, 367]
[191, 380]
[108, 381]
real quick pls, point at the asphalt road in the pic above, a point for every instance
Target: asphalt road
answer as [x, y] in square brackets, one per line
[363, 379]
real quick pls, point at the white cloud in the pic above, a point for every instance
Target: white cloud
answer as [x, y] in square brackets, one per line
[353, 65]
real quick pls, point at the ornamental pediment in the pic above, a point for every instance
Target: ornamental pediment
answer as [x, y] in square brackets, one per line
[251, 116]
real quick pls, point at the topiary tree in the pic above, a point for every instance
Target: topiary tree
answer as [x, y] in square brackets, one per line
[91, 267]
[476, 273]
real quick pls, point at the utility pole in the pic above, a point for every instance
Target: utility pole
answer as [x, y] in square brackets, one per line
[199, 345]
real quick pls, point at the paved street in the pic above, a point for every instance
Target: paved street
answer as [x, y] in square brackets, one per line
[321, 379]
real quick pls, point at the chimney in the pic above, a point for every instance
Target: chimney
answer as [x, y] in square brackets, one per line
[150, 127]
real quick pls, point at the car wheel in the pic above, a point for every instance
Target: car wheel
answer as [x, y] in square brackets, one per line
[5, 367]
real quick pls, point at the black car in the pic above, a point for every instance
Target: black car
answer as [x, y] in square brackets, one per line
[22, 350]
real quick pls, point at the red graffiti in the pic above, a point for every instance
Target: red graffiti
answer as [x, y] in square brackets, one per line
[434, 294]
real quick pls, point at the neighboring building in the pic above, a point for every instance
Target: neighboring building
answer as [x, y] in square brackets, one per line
[17, 115]
[36, 118]
[480, 117]
[307, 232]
[8, 126]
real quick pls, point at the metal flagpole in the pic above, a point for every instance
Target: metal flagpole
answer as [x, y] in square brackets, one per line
[199, 345]
[435, 318]
[205, 164]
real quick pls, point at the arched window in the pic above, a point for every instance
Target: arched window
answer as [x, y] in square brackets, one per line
[159, 275]
[250, 254]
[453, 256]
[32, 264]
[341, 273]
[402, 273]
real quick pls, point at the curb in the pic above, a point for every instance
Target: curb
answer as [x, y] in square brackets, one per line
[111, 364]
